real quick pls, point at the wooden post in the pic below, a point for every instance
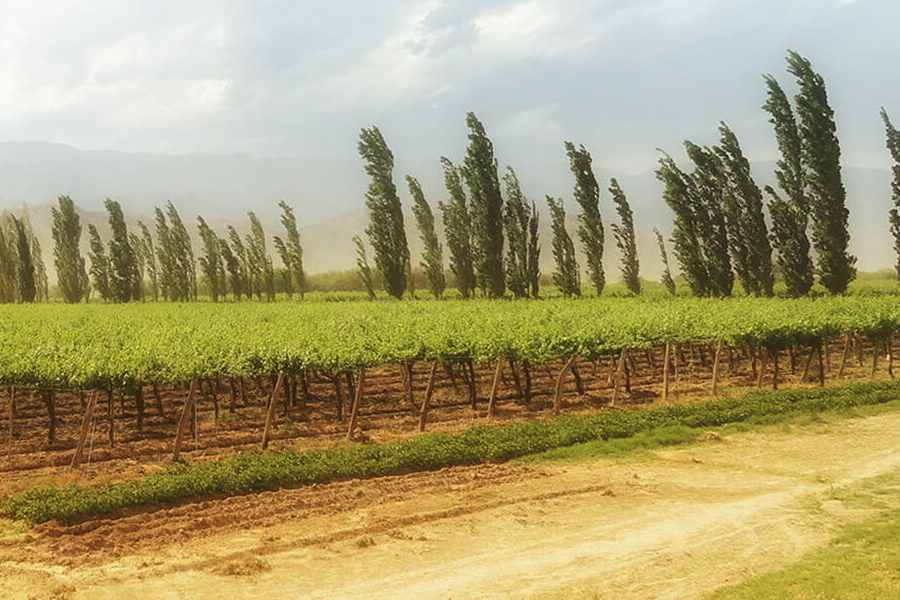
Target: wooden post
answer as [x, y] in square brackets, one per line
[182, 420]
[827, 355]
[762, 365]
[429, 390]
[557, 398]
[844, 355]
[821, 366]
[715, 368]
[579, 386]
[618, 376]
[666, 372]
[357, 398]
[270, 410]
[775, 354]
[87, 422]
[492, 402]
[809, 359]
[874, 358]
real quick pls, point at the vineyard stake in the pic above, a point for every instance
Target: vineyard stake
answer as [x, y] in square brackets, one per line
[808, 364]
[492, 403]
[12, 413]
[270, 409]
[617, 379]
[666, 373]
[182, 420]
[775, 369]
[821, 366]
[86, 422]
[844, 355]
[354, 411]
[429, 389]
[715, 369]
[557, 398]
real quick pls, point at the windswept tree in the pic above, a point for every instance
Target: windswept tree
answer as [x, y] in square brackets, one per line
[70, 267]
[140, 261]
[287, 280]
[211, 260]
[566, 277]
[893, 145]
[822, 161]
[590, 224]
[625, 239]
[240, 254]
[386, 231]
[261, 271]
[686, 236]
[122, 262]
[183, 251]
[666, 278]
[8, 260]
[233, 266]
[165, 254]
[533, 268]
[458, 230]
[26, 287]
[486, 209]
[362, 267]
[99, 269]
[293, 251]
[710, 198]
[41, 282]
[433, 254]
[748, 236]
[148, 249]
[516, 217]
[789, 214]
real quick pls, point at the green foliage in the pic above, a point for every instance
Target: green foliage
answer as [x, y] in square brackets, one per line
[789, 215]
[25, 280]
[291, 250]
[433, 256]
[516, 218]
[625, 239]
[122, 262]
[211, 260]
[386, 230]
[242, 270]
[590, 224]
[893, 145]
[748, 236]
[566, 277]
[666, 279]
[835, 266]
[486, 209]
[148, 250]
[363, 269]
[253, 472]
[8, 260]
[71, 272]
[458, 230]
[533, 267]
[233, 267]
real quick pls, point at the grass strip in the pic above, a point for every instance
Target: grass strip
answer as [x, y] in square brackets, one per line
[258, 471]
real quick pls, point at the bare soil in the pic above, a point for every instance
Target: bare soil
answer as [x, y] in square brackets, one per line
[675, 523]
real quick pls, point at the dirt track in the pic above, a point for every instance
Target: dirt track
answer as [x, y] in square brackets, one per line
[674, 524]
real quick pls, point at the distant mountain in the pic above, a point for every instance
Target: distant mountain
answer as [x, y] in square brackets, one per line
[328, 196]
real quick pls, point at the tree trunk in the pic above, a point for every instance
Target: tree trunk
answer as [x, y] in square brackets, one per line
[110, 417]
[186, 412]
[270, 410]
[492, 403]
[775, 354]
[665, 395]
[473, 387]
[50, 400]
[139, 404]
[429, 390]
[12, 413]
[557, 397]
[338, 399]
[821, 366]
[844, 355]
[762, 366]
[86, 425]
[579, 386]
[526, 370]
[357, 399]
[715, 368]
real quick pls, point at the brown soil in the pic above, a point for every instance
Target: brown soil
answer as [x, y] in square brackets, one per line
[675, 523]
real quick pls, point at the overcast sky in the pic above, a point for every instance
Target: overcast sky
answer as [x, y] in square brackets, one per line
[294, 78]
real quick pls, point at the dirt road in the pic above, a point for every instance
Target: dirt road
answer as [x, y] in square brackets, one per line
[676, 523]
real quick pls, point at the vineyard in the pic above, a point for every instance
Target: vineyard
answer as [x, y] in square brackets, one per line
[141, 380]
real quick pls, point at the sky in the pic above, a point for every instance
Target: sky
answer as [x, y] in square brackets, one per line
[286, 78]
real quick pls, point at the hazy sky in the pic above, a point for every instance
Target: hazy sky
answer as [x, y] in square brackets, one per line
[294, 78]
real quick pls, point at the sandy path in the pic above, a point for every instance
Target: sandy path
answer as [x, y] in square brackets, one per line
[674, 524]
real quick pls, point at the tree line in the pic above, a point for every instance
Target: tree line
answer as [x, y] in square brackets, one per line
[720, 231]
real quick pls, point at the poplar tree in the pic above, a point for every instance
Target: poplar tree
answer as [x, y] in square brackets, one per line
[233, 266]
[137, 246]
[99, 264]
[666, 279]
[590, 224]
[566, 277]
[750, 237]
[480, 170]
[8, 260]
[183, 255]
[26, 287]
[678, 194]
[148, 249]
[458, 230]
[625, 239]
[211, 260]
[165, 253]
[533, 269]
[893, 145]
[261, 273]
[363, 269]
[41, 282]
[240, 254]
[386, 231]
[70, 267]
[286, 278]
[293, 251]
[709, 197]
[822, 161]
[122, 263]
[789, 214]
[433, 254]
[516, 217]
